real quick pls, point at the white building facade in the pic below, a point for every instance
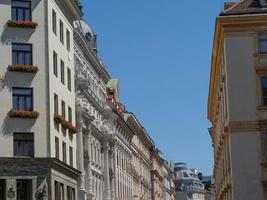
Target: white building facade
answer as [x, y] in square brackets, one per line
[38, 134]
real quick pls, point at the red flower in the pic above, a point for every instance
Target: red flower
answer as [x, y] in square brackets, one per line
[60, 119]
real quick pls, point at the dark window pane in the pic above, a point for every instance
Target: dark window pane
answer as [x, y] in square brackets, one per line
[28, 57]
[21, 10]
[22, 4]
[2, 189]
[22, 99]
[69, 79]
[27, 15]
[57, 147]
[20, 58]
[22, 54]
[23, 144]
[24, 189]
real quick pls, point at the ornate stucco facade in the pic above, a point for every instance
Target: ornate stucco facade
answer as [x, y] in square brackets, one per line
[237, 106]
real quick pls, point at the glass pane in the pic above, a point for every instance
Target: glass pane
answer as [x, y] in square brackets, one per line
[264, 82]
[22, 92]
[29, 103]
[20, 58]
[14, 58]
[14, 14]
[22, 4]
[263, 46]
[20, 14]
[22, 103]
[28, 58]
[262, 36]
[15, 103]
[27, 14]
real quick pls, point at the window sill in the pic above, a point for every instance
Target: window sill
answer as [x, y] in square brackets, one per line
[23, 68]
[22, 24]
[262, 108]
[23, 114]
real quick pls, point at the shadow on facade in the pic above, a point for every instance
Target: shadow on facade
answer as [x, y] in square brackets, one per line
[11, 80]
[12, 34]
[11, 125]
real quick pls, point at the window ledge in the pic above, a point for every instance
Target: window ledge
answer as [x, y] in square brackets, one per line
[23, 68]
[262, 108]
[22, 24]
[23, 114]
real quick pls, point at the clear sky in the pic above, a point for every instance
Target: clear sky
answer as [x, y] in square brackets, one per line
[161, 52]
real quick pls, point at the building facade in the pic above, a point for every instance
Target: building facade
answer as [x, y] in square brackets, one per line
[168, 181]
[141, 145]
[237, 101]
[38, 131]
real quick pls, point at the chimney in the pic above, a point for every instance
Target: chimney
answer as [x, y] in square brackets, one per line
[228, 5]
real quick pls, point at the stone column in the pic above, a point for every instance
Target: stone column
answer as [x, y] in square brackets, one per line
[80, 154]
[106, 171]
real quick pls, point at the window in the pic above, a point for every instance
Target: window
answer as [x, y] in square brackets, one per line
[263, 43]
[264, 90]
[68, 39]
[54, 22]
[62, 72]
[61, 30]
[2, 189]
[21, 54]
[57, 147]
[71, 156]
[63, 112]
[22, 99]
[21, 10]
[69, 79]
[55, 103]
[70, 114]
[59, 191]
[70, 193]
[24, 189]
[64, 153]
[23, 144]
[55, 63]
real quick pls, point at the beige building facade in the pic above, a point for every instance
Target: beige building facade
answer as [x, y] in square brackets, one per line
[237, 101]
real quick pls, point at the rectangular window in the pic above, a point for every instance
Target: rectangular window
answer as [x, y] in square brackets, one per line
[57, 147]
[59, 191]
[2, 189]
[69, 79]
[63, 112]
[24, 189]
[54, 22]
[265, 145]
[68, 39]
[62, 72]
[64, 153]
[70, 193]
[21, 10]
[71, 156]
[55, 103]
[55, 63]
[21, 54]
[22, 99]
[263, 43]
[61, 32]
[23, 144]
[264, 90]
[70, 114]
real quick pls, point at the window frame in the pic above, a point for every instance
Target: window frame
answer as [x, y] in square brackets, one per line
[62, 71]
[69, 78]
[71, 155]
[61, 31]
[63, 109]
[56, 110]
[25, 96]
[64, 152]
[263, 97]
[55, 63]
[57, 147]
[261, 51]
[24, 53]
[23, 10]
[70, 114]
[54, 21]
[22, 134]
[68, 39]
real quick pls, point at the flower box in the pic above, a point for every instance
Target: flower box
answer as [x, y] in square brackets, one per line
[23, 68]
[65, 123]
[23, 24]
[23, 114]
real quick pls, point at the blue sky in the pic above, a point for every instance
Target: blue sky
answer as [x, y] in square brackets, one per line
[161, 50]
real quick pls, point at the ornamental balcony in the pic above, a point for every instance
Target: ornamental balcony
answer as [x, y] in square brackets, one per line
[21, 24]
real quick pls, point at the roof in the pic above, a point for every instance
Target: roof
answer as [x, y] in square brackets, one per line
[245, 7]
